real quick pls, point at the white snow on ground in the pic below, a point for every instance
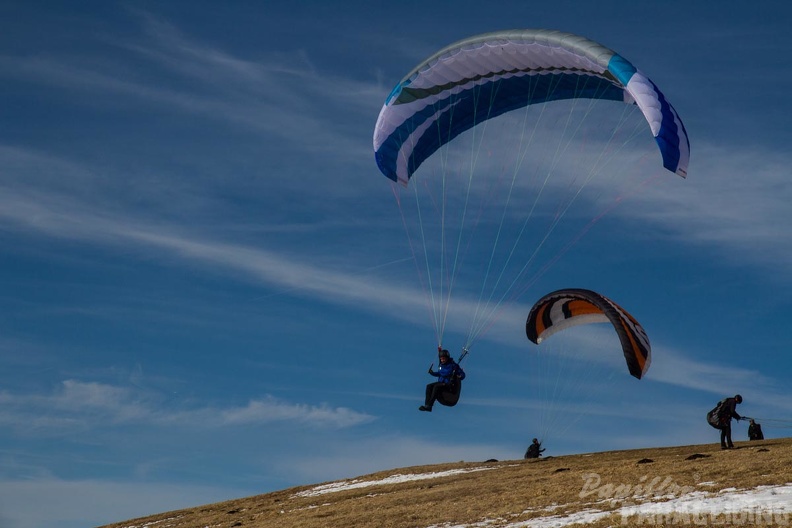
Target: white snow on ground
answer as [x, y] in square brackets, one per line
[770, 500]
[152, 523]
[764, 505]
[393, 479]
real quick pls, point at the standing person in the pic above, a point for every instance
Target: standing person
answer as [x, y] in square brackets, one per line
[448, 375]
[721, 416]
[535, 450]
[755, 431]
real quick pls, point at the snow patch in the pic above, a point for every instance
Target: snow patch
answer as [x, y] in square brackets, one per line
[393, 479]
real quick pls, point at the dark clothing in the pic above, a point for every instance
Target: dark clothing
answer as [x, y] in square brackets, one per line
[534, 450]
[726, 441]
[755, 432]
[729, 411]
[433, 391]
[447, 375]
[726, 411]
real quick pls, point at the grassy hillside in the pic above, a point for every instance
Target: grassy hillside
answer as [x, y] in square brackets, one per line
[511, 493]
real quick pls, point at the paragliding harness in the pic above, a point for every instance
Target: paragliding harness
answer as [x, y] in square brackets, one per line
[718, 417]
[754, 430]
[450, 394]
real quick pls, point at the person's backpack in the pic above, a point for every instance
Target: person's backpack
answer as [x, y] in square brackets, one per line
[715, 416]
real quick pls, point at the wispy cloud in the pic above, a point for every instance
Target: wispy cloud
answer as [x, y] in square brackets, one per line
[63, 216]
[270, 410]
[679, 368]
[77, 405]
[735, 202]
[278, 96]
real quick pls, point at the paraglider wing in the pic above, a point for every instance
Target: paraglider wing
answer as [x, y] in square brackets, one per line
[488, 75]
[562, 309]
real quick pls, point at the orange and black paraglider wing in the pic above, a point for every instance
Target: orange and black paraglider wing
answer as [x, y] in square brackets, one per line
[565, 308]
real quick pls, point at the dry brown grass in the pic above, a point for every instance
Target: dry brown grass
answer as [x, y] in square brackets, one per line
[513, 491]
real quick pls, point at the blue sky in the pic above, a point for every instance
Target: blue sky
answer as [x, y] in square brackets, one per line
[207, 291]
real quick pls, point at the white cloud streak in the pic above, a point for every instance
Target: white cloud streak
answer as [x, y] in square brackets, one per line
[736, 202]
[62, 216]
[78, 405]
[280, 96]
